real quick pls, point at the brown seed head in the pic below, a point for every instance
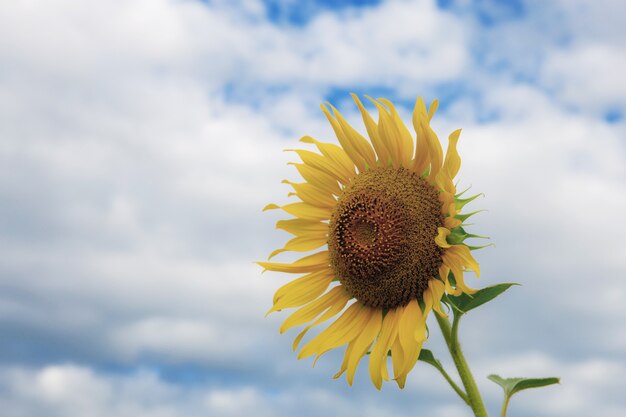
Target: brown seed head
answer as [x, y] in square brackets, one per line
[382, 237]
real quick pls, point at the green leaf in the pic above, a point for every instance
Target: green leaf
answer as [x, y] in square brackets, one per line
[465, 302]
[428, 357]
[515, 385]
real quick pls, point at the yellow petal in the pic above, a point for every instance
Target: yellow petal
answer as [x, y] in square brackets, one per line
[397, 361]
[459, 279]
[422, 125]
[435, 153]
[456, 258]
[312, 195]
[346, 328]
[323, 164]
[447, 201]
[420, 331]
[432, 109]
[421, 160]
[360, 144]
[346, 143]
[334, 153]
[271, 206]
[378, 357]
[455, 266]
[372, 131]
[316, 262]
[303, 284]
[463, 253]
[410, 320]
[318, 178]
[451, 222]
[363, 342]
[302, 290]
[452, 163]
[389, 134]
[302, 244]
[444, 271]
[307, 212]
[301, 227]
[405, 140]
[442, 234]
[331, 312]
[346, 357]
[315, 308]
[437, 289]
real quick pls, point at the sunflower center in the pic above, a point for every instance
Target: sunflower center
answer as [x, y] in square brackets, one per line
[382, 237]
[365, 232]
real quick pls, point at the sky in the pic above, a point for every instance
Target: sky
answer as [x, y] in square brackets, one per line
[140, 139]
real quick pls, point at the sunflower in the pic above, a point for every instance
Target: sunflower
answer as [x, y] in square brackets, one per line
[384, 217]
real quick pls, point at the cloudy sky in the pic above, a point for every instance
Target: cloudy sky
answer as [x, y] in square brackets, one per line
[139, 140]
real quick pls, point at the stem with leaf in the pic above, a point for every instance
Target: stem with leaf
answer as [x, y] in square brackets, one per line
[461, 304]
[514, 385]
[451, 338]
[505, 405]
[428, 357]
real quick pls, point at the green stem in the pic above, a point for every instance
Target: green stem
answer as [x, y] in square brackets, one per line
[505, 405]
[454, 386]
[451, 338]
[454, 336]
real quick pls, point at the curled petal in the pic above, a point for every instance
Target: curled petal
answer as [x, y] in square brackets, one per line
[442, 234]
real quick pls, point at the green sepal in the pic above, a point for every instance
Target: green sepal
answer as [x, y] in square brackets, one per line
[466, 216]
[465, 302]
[461, 202]
[514, 385]
[457, 195]
[473, 236]
[458, 236]
[480, 247]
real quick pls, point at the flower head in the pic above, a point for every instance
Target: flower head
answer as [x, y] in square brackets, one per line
[388, 213]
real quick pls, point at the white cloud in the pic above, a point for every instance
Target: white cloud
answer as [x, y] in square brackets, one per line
[69, 390]
[589, 75]
[132, 183]
[571, 49]
[587, 387]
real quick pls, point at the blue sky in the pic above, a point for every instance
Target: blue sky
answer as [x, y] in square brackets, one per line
[140, 139]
